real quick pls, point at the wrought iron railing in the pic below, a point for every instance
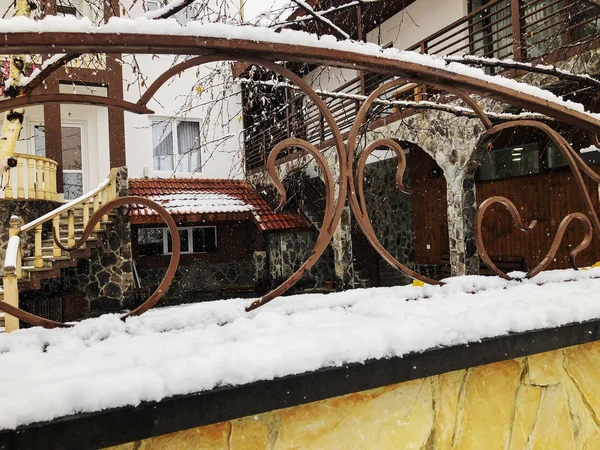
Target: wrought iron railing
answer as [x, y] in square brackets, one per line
[518, 29]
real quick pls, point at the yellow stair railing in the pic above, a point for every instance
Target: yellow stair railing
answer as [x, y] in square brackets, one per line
[34, 177]
[13, 266]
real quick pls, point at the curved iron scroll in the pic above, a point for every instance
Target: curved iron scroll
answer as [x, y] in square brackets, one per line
[36, 320]
[219, 49]
[590, 219]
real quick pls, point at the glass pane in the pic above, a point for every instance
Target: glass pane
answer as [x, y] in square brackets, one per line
[183, 237]
[73, 185]
[509, 162]
[150, 241]
[204, 239]
[39, 138]
[188, 146]
[162, 145]
[71, 148]
[554, 157]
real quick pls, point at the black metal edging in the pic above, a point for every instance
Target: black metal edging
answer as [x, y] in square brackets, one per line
[121, 425]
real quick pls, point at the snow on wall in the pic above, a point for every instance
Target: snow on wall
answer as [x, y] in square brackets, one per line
[105, 363]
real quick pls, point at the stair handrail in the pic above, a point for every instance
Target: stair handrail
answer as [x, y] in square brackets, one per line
[102, 194]
[73, 203]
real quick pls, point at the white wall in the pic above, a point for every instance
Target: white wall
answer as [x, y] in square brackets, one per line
[418, 21]
[222, 160]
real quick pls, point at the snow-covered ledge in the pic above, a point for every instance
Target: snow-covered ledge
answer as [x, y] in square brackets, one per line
[193, 365]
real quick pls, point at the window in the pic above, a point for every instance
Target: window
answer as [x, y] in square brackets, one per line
[176, 146]
[157, 241]
[509, 162]
[69, 8]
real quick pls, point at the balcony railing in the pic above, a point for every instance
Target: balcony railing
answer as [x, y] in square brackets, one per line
[524, 30]
[34, 177]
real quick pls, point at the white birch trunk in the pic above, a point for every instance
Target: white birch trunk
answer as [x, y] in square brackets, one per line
[13, 120]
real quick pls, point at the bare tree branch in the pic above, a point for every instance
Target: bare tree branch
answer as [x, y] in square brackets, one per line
[508, 64]
[317, 15]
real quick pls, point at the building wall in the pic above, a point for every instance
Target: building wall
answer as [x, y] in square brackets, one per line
[287, 250]
[200, 275]
[548, 400]
[417, 21]
[222, 148]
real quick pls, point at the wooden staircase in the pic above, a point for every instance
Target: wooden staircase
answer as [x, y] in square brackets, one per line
[26, 272]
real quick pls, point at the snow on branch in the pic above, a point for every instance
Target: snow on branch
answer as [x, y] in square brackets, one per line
[511, 64]
[321, 18]
[333, 9]
[459, 111]
[169, 9]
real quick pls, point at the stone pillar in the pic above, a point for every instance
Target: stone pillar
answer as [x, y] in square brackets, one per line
[261, 272]
[460, 194]
[342, 252]
[112, 265]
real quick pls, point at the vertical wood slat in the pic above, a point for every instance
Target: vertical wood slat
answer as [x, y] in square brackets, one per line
[8, 191]
[105, 201]
[56, 251]
[39, 180]
[517, 32]
[71, 228]
[96, 208]
[47, 190]
[30, 179]
[20, 181]
[86, 213]
[38, 261]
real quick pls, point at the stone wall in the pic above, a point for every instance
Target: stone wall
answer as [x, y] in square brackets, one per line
[390, 210]
[202, 280]
[108, 274]
[288, 250]
[548, 400]
[100, 281]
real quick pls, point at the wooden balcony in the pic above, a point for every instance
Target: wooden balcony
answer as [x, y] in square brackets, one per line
[535, 30]
[34, 178]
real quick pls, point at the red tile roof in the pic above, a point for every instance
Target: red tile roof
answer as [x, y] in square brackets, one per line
[210, 199]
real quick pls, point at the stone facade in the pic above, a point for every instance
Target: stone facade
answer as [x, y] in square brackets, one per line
[545, 401]
[99, 282]
[287, 250]
[390, 210]
[202, 280]
[108, 274]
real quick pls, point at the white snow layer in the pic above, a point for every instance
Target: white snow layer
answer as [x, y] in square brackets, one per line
[105, 363]
[143, 25]
[198, 203]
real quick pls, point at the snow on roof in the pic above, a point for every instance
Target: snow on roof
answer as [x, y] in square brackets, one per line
[192, 196]
[105, 363]
[142, 25]
[197, 203]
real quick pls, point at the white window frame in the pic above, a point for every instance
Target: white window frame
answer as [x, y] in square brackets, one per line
[174, 136]
[190, 231]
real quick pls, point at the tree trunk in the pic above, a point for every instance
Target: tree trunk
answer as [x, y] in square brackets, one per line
[13, 121]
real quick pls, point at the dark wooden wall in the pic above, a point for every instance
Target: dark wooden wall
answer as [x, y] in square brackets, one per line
[235, 243]
[430, 220]
[547, 197]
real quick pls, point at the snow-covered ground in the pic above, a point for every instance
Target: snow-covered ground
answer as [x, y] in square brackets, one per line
[104, 363]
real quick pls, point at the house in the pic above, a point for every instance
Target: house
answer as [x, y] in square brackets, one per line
[431, 230]
[67, 151]
[226, 229]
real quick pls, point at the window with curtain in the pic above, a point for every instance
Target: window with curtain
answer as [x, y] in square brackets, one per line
[176, 146]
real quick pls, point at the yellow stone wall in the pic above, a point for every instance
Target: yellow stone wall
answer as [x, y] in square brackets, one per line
[545, 401]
